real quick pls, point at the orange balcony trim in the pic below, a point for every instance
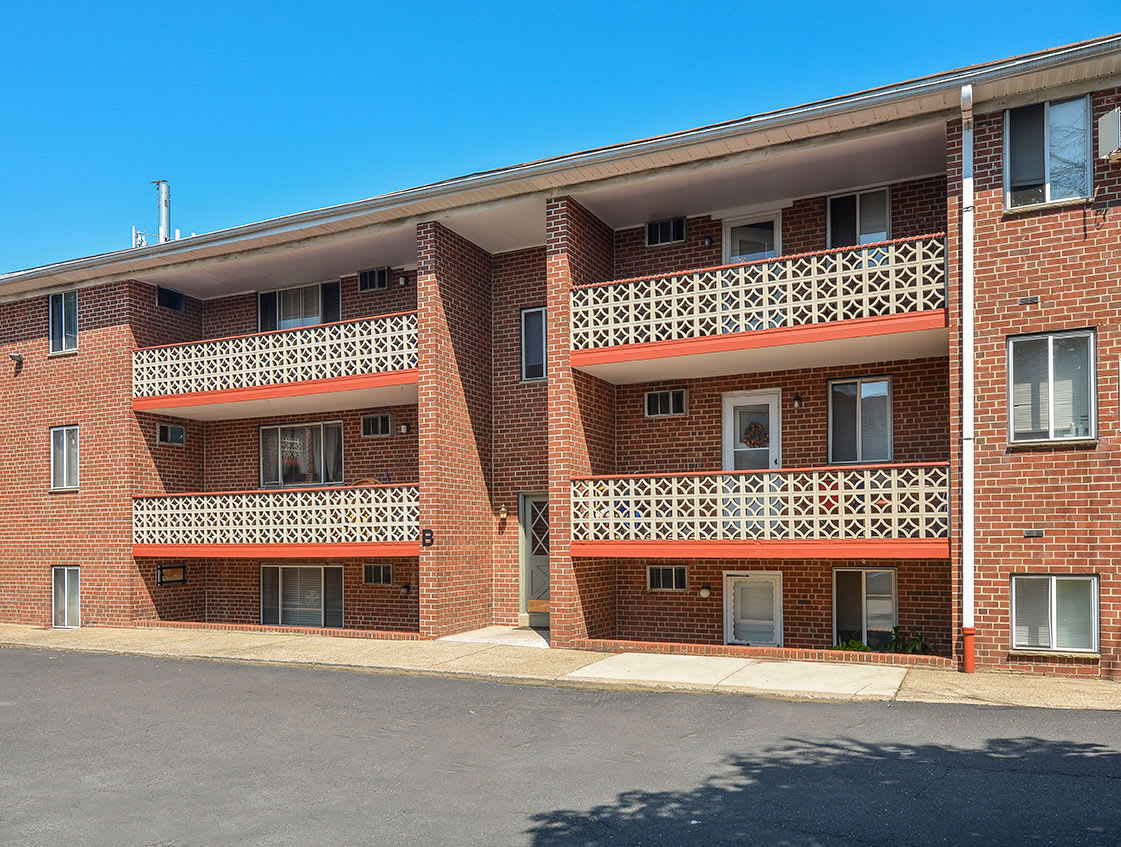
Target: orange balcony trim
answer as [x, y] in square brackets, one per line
[835, 331]
[277, 551]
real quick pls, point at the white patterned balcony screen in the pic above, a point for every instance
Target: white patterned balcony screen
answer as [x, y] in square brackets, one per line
[351, 348]
[888, 502]
[891, 278]
[290, 516]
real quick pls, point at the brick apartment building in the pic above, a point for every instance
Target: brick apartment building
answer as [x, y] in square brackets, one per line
[763, 386]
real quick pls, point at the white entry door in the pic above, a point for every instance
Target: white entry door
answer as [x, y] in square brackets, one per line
[535, 558]
[753, 608]
[752, 430]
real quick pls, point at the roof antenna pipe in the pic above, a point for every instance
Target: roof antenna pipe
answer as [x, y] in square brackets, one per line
[165, 209]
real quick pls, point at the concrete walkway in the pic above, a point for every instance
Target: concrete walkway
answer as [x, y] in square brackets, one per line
[499, 654]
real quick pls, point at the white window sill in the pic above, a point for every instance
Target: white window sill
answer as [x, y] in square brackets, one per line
[60, 354]
[1022, 653]
[1047, 207]
[1054, 442]
[70, 490]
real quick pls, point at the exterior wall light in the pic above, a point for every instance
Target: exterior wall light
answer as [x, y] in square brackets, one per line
[797, 401]
[503, 512]
[706, 591]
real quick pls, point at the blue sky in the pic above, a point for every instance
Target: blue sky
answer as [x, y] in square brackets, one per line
[257, 109]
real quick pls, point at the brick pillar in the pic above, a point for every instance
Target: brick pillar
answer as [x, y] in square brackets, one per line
[454, 431]
[579, 249]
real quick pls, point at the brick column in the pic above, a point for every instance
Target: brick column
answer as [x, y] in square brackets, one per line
[454, 431]
[579, 249]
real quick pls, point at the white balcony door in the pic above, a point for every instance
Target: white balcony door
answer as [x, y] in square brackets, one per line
[753, 608]
[752, 430]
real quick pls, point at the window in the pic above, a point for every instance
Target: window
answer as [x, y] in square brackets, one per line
[64, 457]
[377, 425]
[65, 606]
[292, 308]
[863, 606]
[1051, 387]
[375, 279]
[860, 420]
[171, 574]
[749, 241]
[660, 578]
[669, 231]
[377, 574]
[1047, 152]
[533, 344]
[1055, 613]
[302, 454]
[169, 299]
[64, 321]
[171, 434]
[661, 404]
[859, 218]
[302, 596]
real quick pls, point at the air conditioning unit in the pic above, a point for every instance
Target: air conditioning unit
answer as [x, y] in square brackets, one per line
[1109, 135]
[374, 279]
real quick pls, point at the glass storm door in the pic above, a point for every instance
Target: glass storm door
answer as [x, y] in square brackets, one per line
[752, 435]
[535, 550]
[753, 609]
[65, 603]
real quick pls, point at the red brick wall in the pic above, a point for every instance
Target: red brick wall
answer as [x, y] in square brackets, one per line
[1069, 258]
[169, 468]
[455, 395]
[692, 442]
[521, 418]
[918, 207]
[237, 314]
[807, 595]
[634, 258]
[229, 591]
[232, 449]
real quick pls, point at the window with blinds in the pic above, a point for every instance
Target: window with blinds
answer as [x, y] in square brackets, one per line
[1055, 613]
[292, 308]
[1047, 154]
[1051, 387]
[860, 420]
[304, 596]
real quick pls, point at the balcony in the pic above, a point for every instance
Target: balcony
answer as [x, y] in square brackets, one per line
[842, 306]
[346, 365]
[868, 511]
[377, 520]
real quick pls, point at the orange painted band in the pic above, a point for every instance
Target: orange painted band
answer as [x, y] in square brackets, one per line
[821, 468]
[757, 339]
[287, 489]
[277, 551]
[271, 392]
[922, 548]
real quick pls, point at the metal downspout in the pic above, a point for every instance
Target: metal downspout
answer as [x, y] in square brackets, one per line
[967, 365]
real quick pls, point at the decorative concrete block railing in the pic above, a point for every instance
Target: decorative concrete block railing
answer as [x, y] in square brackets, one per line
[873, 280]
[326, 351]
[352, 515]
[904, 501]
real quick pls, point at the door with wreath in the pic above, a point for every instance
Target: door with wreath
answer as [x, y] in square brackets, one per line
[752, 436]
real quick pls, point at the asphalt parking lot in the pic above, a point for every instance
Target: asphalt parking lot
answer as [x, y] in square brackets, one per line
[122, 750]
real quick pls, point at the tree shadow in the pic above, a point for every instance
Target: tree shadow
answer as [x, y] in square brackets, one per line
[1009, 791]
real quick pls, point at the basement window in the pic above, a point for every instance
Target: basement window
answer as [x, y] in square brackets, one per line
[668, 231]
[1055, 613]
[663, 404]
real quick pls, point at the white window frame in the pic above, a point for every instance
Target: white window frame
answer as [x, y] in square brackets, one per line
[1095, 612]
[670, 414]
[387, 568]
[544, 343]
[322, 455]
[763, 217]
[1007, 149]
[1093, 387]
[62, 296]
[730, 577]
[857, 194]
[864, 598]
[165, 427]
[673, 578]
[68, 571]
[684, 230]
[860, 380]
[77, 457]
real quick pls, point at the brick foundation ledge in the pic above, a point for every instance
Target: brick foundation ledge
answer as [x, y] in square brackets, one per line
[382, 634]
[615, 645]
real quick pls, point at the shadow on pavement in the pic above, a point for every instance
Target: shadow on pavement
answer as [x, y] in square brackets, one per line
[1021, 791]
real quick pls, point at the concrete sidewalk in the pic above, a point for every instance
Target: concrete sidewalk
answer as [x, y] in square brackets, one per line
[501, 655]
